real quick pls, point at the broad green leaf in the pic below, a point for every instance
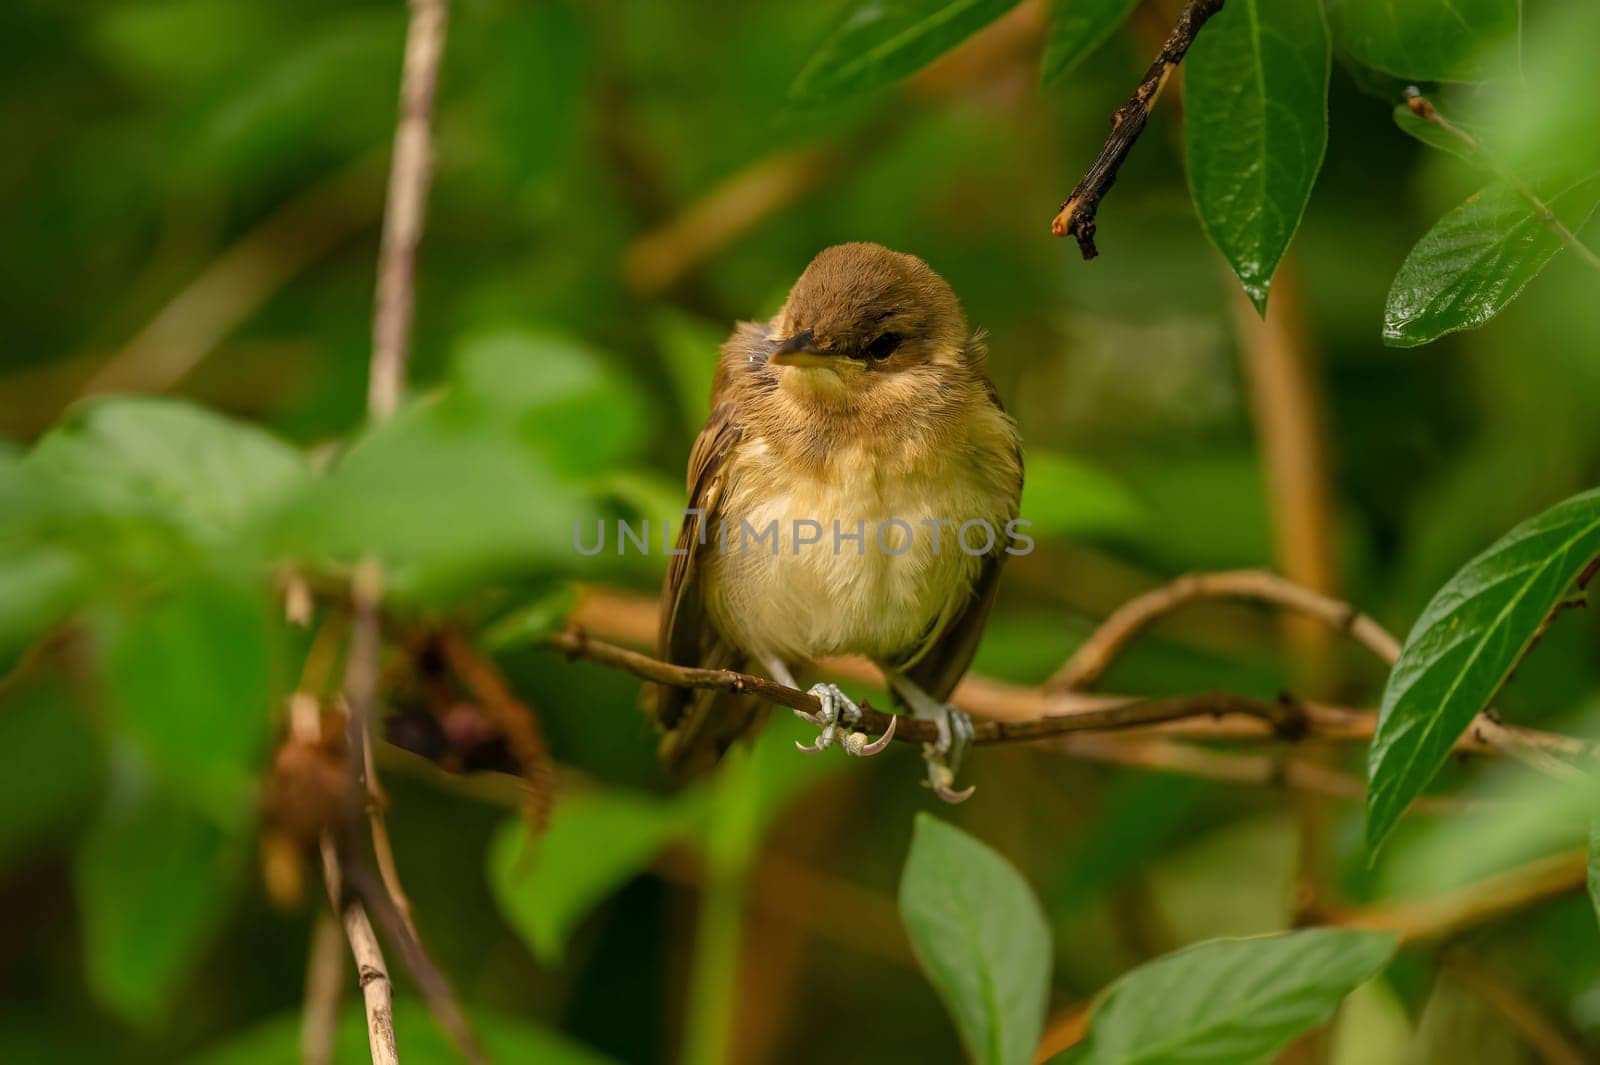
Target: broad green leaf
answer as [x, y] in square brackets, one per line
[1064, 497]
[1255, 128]
[153, 881]
[170, 461]
[507, 1039]
[594, 844]
[447, 495]
[881, 41]
[1080, 27]
[1476, 259]
[1425, 40]
[980, 937]
[1463, 647]
[556, 393]
[1227, 1001]
[190, 679]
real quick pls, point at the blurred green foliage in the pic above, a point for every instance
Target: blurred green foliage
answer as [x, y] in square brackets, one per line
[237, 147]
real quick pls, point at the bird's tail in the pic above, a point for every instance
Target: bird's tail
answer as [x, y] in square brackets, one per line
[698, 725]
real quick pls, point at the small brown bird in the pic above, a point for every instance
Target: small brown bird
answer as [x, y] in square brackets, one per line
[854, 491]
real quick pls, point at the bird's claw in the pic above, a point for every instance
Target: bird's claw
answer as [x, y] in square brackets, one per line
[840, 713]
[944, 757]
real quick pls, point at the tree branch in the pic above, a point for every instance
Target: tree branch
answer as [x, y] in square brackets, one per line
[1077, 215]
[405, 206]
[371, 971]
[1020, 714]
[1477, 904]
[1091, 660]
[1284, 717]
[632, 618]
[324, 980]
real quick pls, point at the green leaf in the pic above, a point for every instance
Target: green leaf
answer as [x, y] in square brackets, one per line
[1425, 40]
[507, 1039]
[1065, 497]
[980, 937]
[190, 679]
[1476, 259]
[1080, 27]
[1226, 1001]
[1465, 644]
[881, 41]
[595, 843]
[153, 882]
[1434, 137]
[1255, 128]
[163, 459]
[447, 495]
[556, 393]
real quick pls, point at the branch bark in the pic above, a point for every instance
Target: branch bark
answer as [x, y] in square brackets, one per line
[1017, 714]
[1076, 218]
[1091, 660]
[373, 975]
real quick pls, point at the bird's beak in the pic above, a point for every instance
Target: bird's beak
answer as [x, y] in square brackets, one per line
[797, 351]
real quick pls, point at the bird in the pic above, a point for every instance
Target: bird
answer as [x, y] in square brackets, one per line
[855, 490]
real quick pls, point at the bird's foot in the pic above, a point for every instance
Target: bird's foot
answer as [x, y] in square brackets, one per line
[838, 714]
[944, 758]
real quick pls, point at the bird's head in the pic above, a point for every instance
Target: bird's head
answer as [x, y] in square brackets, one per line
[864, 321]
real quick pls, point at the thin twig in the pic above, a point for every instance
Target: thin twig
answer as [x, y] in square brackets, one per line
[1077, 215]
[1543, 1034]
[405, 206]
[238, 282]
[371, 971]
[1091, 660]
[1284, 717]
[632, 618]
[517, 721]
[429, 979]
[1424, 109]
[324, 982]
[1477, 904]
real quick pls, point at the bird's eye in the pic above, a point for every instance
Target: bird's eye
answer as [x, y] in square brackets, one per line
[884, 346]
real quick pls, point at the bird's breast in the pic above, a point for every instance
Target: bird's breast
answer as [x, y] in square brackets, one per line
[849, 558]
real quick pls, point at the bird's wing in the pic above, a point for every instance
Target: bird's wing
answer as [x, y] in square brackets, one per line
[939, 664]
[699, 724]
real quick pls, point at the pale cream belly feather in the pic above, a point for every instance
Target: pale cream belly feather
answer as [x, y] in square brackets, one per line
[830, 598]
